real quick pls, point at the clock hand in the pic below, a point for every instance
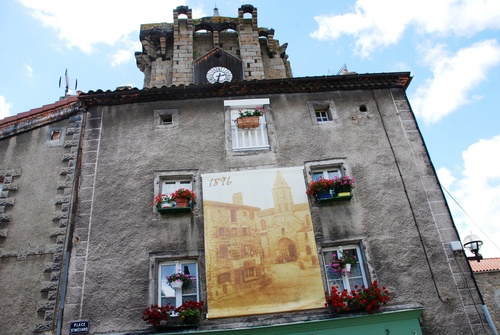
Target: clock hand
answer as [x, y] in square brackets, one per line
[218, 77]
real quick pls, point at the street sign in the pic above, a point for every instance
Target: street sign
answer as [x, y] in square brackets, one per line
[79, 327]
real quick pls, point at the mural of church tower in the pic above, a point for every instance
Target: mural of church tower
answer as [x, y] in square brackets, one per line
[282, 195]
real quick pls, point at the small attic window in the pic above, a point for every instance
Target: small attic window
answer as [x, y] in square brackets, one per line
[56, 135]
[166, 119]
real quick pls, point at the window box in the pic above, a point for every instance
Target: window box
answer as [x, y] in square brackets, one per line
[334, 196]
[174, 210]
[248, 122]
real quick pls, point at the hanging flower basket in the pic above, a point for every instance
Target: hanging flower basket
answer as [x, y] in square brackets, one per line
[342, 264]
[184, 280]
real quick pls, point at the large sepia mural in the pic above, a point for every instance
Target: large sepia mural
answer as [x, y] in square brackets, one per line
[261, 255]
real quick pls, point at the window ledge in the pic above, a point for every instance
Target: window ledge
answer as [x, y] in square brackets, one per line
[175, 210]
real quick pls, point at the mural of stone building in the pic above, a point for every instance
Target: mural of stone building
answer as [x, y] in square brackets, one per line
[252, 251]
[81, 244]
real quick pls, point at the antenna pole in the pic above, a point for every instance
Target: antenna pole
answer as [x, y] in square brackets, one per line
[67, 83]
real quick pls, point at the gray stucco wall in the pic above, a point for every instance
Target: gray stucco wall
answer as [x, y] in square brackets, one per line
[30, 250]
[398, 210]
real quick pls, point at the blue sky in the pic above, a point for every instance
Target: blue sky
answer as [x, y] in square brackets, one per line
[451, 48]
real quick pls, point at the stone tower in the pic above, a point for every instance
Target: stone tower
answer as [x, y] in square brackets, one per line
[210, 50]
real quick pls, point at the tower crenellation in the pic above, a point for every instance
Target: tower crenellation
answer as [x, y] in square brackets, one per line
[183, 52]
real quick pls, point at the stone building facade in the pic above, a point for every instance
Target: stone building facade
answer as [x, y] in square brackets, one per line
[38, 170]
[256, 245]
[487, 274]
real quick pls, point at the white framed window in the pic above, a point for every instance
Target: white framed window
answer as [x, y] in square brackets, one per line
[166, 294]
[169, 186]
[326, 169]
[348, 281]
[247, 138]
[326, 173]
[322, 112]
[322, 116]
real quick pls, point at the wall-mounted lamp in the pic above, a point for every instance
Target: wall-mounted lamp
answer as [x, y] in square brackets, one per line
[473, 243]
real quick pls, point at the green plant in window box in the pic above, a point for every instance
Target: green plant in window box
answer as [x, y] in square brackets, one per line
[256, 111]
[163, 200]
[190, 310]
[337, 188]
[183, 193]
[249, 118]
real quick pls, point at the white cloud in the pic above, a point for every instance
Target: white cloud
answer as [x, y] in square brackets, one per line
[28, 70]
[121, 56]
[4, 108]
[94, 22]
[376, 24]
[451, 86]
[477, 191]
[445, 177]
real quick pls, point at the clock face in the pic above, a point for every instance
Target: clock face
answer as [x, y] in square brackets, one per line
[219, 74]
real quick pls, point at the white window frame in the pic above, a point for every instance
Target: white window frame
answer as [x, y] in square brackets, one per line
[177, 297]
[327, 169]
[180, 179]
[326, 173]
[322, 116]
[252, 138]
[327, 112]
[168, 186]
[357, 275]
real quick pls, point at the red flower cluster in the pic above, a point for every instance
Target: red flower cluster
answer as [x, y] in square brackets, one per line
[190, 307]
[183, 193]
[368, 299]
[336, 183]
[155, 314]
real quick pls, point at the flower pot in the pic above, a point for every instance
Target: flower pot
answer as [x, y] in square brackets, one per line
[166, 204]
[192, 320]
[182, 202]
[177, 284]
[248, 122]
